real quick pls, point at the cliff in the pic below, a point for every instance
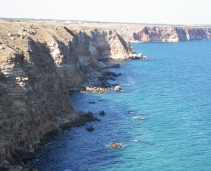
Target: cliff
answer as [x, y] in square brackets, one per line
[163, 33]
[39, 62]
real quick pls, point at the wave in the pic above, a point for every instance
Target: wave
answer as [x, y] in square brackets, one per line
[139, 117]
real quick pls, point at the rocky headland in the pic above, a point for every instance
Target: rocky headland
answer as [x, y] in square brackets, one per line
[41, 62]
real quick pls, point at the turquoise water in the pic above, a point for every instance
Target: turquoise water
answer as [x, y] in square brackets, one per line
[171, 90]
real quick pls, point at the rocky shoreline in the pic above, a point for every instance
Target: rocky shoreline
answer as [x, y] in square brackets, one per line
[80, 119]
[40, 63]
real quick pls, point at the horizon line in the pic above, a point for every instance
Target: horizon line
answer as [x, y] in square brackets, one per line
[98, 22]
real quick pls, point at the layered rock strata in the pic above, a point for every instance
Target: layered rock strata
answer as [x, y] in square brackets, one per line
[39, 63]
[141, 33]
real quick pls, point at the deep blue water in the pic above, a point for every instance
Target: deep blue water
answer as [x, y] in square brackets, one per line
[172, 90]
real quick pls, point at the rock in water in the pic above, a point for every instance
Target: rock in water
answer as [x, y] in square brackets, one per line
[115, 145]
[90, 128]
[117, 88]
[102, 113]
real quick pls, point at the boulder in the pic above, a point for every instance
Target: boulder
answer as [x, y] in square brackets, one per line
[102, 113]
[115, 66]
[117, 88]
[115, 145]
[144, 57]
[90, 128]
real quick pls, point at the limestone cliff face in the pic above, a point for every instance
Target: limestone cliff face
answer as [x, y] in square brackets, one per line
[164, 34]
[109, 44]
[33, 98]
[173, 34]
[38, 63]
[77, 59]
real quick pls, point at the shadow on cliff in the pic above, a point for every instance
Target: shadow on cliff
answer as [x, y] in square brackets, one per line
[69, 67]
[103, 41]
[80, 44]
[136, 36]
[126, 45]
[100, 44]
[33, 100]
[11, 136]
[7, 116]
[6, 105]
[182, 33]
[50, 80]
[76, 60]
[6, 113]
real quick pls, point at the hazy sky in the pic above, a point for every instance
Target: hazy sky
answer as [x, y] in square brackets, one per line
[138, 11]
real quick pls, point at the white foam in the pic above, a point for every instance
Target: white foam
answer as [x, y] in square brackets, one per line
[139, 117]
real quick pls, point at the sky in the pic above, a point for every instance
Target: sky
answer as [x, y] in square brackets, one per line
[132, 11]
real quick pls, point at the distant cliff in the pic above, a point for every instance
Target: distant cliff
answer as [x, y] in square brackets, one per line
[163, 33]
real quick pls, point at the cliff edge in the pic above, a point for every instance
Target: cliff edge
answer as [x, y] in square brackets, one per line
[39, 63]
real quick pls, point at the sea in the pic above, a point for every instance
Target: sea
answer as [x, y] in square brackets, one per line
[162, 116]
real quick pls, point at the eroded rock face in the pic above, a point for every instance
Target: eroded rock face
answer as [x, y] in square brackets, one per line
[163, 33]
[33, 101]
[37, 68]
[109, 44]
[175, 34]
